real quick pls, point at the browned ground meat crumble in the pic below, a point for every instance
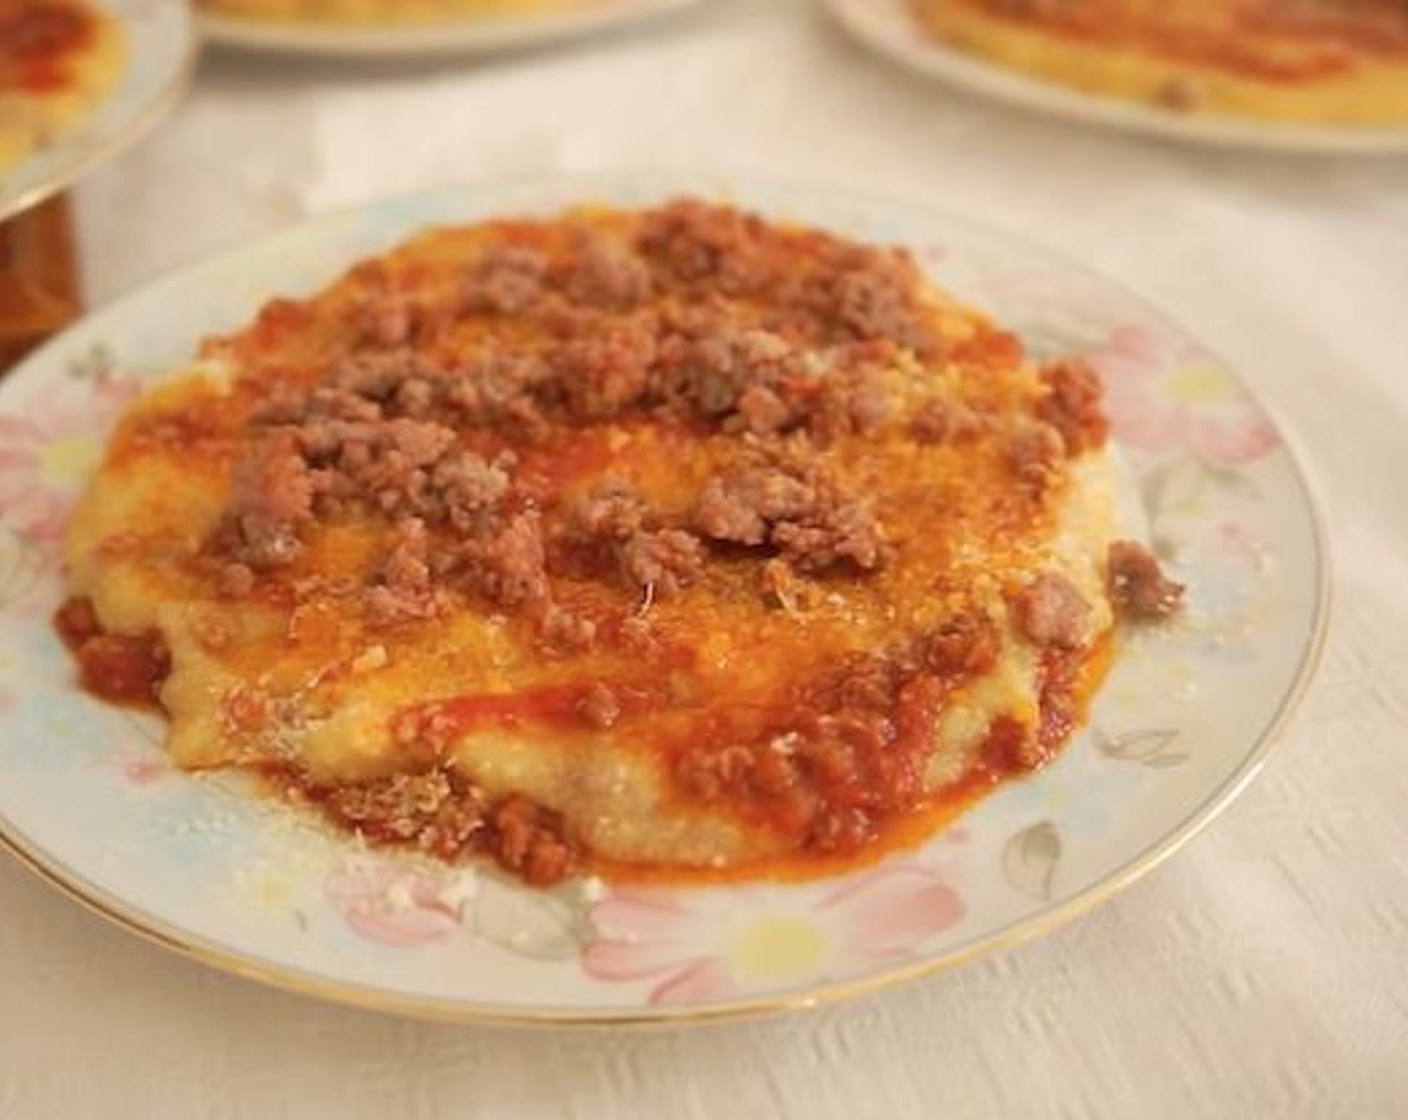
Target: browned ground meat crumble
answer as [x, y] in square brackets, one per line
[795, 508]
[1052, 612]
[442, 814]
[1072, 404]
[1138, 587]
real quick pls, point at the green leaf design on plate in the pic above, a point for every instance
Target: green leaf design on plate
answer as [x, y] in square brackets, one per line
[22, 565]
[1030, 859]
[546, 927]
[1149, 746]
[94, 364]
[1173, 485]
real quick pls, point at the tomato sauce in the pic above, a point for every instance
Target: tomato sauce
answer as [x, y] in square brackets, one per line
[120, 670]
[878, 769]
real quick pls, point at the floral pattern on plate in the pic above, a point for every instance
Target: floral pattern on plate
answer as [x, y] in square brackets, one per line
[712, 944]
[47, 454]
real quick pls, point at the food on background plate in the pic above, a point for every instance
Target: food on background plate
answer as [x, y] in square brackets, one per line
[365, 12]
[674, 539]
[58, 59]
[1312, 61]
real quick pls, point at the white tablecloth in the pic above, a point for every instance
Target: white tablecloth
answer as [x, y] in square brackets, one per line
[1263, 972]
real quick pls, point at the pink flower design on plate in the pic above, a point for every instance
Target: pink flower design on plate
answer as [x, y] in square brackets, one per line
[137, 764]
[396, 905]
[1162, 395]
[713, 943]
[46, 454]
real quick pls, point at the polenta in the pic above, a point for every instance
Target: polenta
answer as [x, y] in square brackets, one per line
[673, 538]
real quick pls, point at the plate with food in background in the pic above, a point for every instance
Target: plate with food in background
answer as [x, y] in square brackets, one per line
[633, 597]
[393, 28]
[1317, 77]
[80, 79]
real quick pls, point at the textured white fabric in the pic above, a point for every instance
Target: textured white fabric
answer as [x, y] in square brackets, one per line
[1263, 972]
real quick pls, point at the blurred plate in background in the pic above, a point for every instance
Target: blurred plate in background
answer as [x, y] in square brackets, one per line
[890, 28]
[484, 34]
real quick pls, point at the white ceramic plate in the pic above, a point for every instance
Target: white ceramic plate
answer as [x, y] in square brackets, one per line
[1182, 723]
[889, 27]
[467, 36]
[161, 52]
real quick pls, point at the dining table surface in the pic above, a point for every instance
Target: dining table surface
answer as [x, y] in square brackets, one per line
[1261, 972]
